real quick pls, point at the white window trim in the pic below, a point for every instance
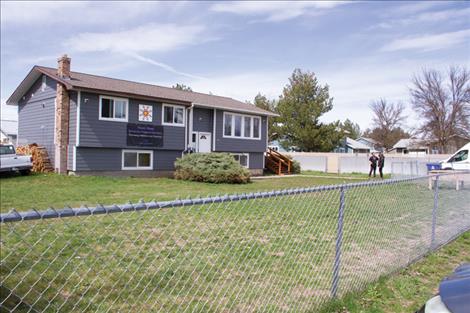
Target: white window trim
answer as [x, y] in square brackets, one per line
[242, 126]
[174, 107]
[138, 168]
[247, 158]
[113, 118]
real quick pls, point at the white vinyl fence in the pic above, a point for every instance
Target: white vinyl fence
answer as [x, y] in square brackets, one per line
[397, 165]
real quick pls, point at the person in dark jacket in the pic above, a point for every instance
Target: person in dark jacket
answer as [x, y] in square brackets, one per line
[373, 164]
[381, 164]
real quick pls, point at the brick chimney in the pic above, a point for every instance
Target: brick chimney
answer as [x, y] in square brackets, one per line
[63, 67]
[62, 115]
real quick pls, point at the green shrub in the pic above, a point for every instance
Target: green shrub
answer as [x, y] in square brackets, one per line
[295, 165]
[211, 168]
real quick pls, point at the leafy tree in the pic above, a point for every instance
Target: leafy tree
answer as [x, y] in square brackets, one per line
[300, 107]
[262, 102]
[351, 129]
[443, 105]
[387, 123]
[182, 87]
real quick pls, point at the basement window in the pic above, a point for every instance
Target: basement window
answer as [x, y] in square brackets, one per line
[137, 160]
[113, 109]
[242, 158]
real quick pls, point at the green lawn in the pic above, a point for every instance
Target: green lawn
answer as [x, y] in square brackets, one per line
[409, 289]
[41, 191]
[269, 254]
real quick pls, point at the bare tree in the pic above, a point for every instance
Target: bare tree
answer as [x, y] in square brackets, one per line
[387, 115]
[387, 122]
[443, 106]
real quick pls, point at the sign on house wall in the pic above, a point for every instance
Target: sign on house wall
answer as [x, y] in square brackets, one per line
[145, 113]
[143, 135]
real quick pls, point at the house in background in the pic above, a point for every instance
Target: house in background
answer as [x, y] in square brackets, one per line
[410, 146]
[8, 131]
[371, 143]
[98, 125]
[349, 145]
[276, 146]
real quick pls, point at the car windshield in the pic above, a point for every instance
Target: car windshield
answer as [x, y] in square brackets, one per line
[460, 156]
[7, 150]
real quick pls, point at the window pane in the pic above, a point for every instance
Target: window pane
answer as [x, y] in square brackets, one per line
[120, 109]
[130, 159]
[465, 155]
[256, 130]
[228, 125]
[247, 127]
[238, 126]
[236, 157]
[168, 115]
[244, 160]
[7, 150]
[179, 113]
[107, 108]
[144, 159]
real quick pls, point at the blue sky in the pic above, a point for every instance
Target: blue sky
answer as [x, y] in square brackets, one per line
[362, 50]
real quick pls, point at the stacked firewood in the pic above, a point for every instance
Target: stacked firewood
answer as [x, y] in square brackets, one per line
[41, 161]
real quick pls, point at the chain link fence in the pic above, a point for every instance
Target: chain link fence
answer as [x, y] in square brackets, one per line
[279, 251]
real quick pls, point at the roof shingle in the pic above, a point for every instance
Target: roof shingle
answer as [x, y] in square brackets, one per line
[87, 81]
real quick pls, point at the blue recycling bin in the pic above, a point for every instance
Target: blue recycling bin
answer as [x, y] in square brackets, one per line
[433, 166]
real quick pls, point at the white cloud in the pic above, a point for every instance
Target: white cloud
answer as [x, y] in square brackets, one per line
[429, 42]
[453, 15]
[146, 38]
[164, 66]
[275, 11]
[418, 6]
[79, 12]
[36, 11]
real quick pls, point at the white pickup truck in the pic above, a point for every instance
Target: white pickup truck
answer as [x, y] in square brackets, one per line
[12, 162]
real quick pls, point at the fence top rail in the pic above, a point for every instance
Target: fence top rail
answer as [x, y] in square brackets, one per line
[15, 216]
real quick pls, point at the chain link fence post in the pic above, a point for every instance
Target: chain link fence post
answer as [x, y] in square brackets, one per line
[434, 212]
[339, 240]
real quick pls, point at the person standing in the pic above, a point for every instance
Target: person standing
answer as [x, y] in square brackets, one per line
[373, 164]
[381, 164]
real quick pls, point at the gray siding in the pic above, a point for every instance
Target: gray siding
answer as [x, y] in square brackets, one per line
[203, 120]
[36, 116]
[72, 129]
[238, 145]
[256, 160]
[110, 134]
[110, 159]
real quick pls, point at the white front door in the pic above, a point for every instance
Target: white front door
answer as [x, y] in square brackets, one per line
[204, 141]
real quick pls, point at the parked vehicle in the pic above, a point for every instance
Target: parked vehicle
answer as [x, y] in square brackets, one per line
[12, 162]
[454, 293]
[459, 160]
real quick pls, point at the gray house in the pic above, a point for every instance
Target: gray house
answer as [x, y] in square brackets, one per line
[98, 125]
[349, 145]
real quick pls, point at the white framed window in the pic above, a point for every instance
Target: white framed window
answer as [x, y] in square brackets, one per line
[173, 115]
[113, 109]
[242, 126]
[137, 159]
[242, 158]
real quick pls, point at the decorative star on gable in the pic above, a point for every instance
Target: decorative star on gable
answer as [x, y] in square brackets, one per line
[145, 113]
